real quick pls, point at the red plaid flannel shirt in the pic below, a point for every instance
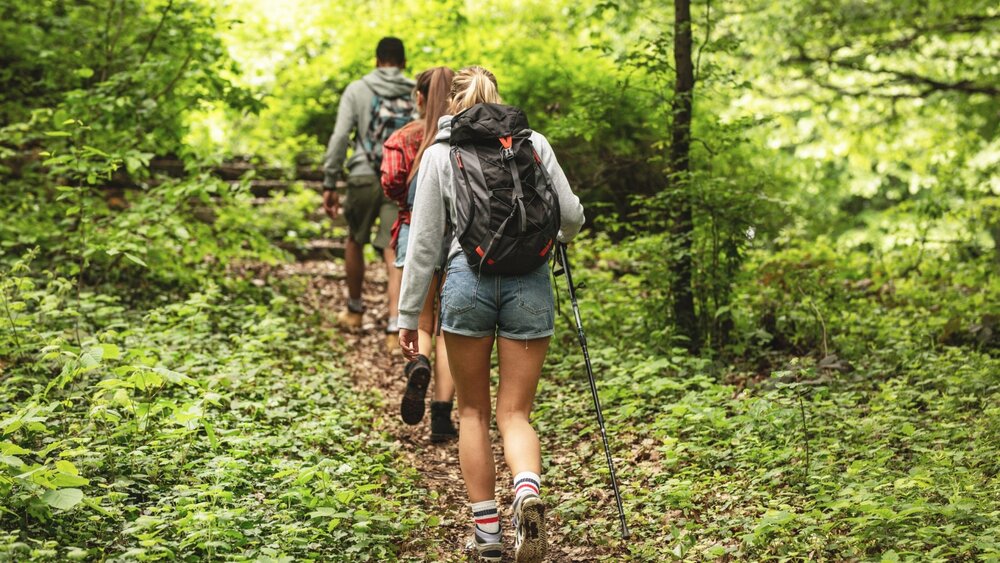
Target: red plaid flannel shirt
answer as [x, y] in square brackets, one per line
[398, 153]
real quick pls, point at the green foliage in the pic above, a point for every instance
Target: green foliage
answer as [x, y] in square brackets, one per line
[129, 70]
[212, 426]
[157, 401]
[882, 447]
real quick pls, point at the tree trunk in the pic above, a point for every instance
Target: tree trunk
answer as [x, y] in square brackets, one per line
[680, 164]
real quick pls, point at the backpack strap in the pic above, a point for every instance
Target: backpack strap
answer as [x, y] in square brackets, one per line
[412, 189]
[366, 141]
[518, 195]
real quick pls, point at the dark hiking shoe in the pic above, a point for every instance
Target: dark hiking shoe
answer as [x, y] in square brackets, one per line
[530, 539]
[442, 429]
[418, 376]
[488, 551]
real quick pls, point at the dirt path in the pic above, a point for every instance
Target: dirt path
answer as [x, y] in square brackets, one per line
[373, 367]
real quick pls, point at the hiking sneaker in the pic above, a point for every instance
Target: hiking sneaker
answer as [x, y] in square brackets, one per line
[488, 551]
[392, 338]
[442, 429]
[392, 343]
[418, 376]
[350, 319]
[530, 541]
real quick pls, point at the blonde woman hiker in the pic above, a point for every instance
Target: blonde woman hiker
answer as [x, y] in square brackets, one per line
[400, 163]
[494, 190]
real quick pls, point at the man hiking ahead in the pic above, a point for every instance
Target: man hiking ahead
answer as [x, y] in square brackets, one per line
[370, 108]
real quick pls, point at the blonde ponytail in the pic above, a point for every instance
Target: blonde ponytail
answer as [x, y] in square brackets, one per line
[473, 85]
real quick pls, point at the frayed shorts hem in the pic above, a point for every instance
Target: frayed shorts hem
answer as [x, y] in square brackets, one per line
[501, 334]
[469, 333]
[532, 336]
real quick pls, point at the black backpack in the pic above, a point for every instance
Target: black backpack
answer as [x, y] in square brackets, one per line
[507, 210]
[387, 115]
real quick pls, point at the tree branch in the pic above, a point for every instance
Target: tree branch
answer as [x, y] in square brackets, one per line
[896, 77]
[708, 34]
[173, 82]
[156, 32]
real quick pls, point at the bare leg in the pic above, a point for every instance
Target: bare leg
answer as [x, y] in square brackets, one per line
[520, 367]
[471, 358]
[444, 387]
[354, 264]
[425, 324]
[395, 280]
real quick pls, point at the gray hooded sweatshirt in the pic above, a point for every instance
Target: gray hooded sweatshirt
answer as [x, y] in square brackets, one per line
[434, 207]
[354, 113]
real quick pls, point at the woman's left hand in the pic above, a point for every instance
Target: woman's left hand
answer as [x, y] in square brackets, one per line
[408, 342]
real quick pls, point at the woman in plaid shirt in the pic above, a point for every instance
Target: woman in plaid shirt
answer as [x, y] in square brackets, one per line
[400, 163]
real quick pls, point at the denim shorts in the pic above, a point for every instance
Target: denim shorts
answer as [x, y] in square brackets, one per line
[516, 307]
[401, 240]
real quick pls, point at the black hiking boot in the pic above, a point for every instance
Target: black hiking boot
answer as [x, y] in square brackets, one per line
[418, 376]
[442, 429]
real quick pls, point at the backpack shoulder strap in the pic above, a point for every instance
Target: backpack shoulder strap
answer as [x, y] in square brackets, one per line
[368, 144]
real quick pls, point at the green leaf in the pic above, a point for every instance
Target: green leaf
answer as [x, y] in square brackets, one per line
[67, 467]
[136, 259]
[111, 352]
[84, 72]
[97, 507]
[328, 512]
[9, 448]
[63, 499]
[174, 377]
[12, 461]
[97, 151]
[91, 357]
[145, 380]
[213, 442]
[66, 480]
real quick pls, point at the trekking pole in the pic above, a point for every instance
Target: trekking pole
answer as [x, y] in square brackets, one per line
[564, 261]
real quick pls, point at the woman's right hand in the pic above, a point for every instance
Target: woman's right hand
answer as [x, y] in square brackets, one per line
[408, 342]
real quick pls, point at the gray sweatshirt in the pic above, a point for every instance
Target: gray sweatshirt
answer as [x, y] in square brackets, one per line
[434, 206]
[354, 113]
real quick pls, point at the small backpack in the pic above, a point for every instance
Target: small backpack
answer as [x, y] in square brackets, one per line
[507, 210]
[387, 115]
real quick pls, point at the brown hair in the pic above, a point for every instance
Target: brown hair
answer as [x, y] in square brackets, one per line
[473, 85]
[435, 85]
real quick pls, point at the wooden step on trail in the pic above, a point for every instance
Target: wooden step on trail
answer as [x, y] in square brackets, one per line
[313, 250]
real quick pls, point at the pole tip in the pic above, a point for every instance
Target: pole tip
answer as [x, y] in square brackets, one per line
[625, 533]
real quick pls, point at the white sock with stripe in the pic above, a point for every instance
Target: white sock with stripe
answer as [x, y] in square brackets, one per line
[487, 520]
[526, 483]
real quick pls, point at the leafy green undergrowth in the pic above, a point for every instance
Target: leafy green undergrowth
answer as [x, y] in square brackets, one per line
[887, 450]
[219, 425]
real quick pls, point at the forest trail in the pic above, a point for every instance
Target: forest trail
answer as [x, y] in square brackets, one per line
[372, 367]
